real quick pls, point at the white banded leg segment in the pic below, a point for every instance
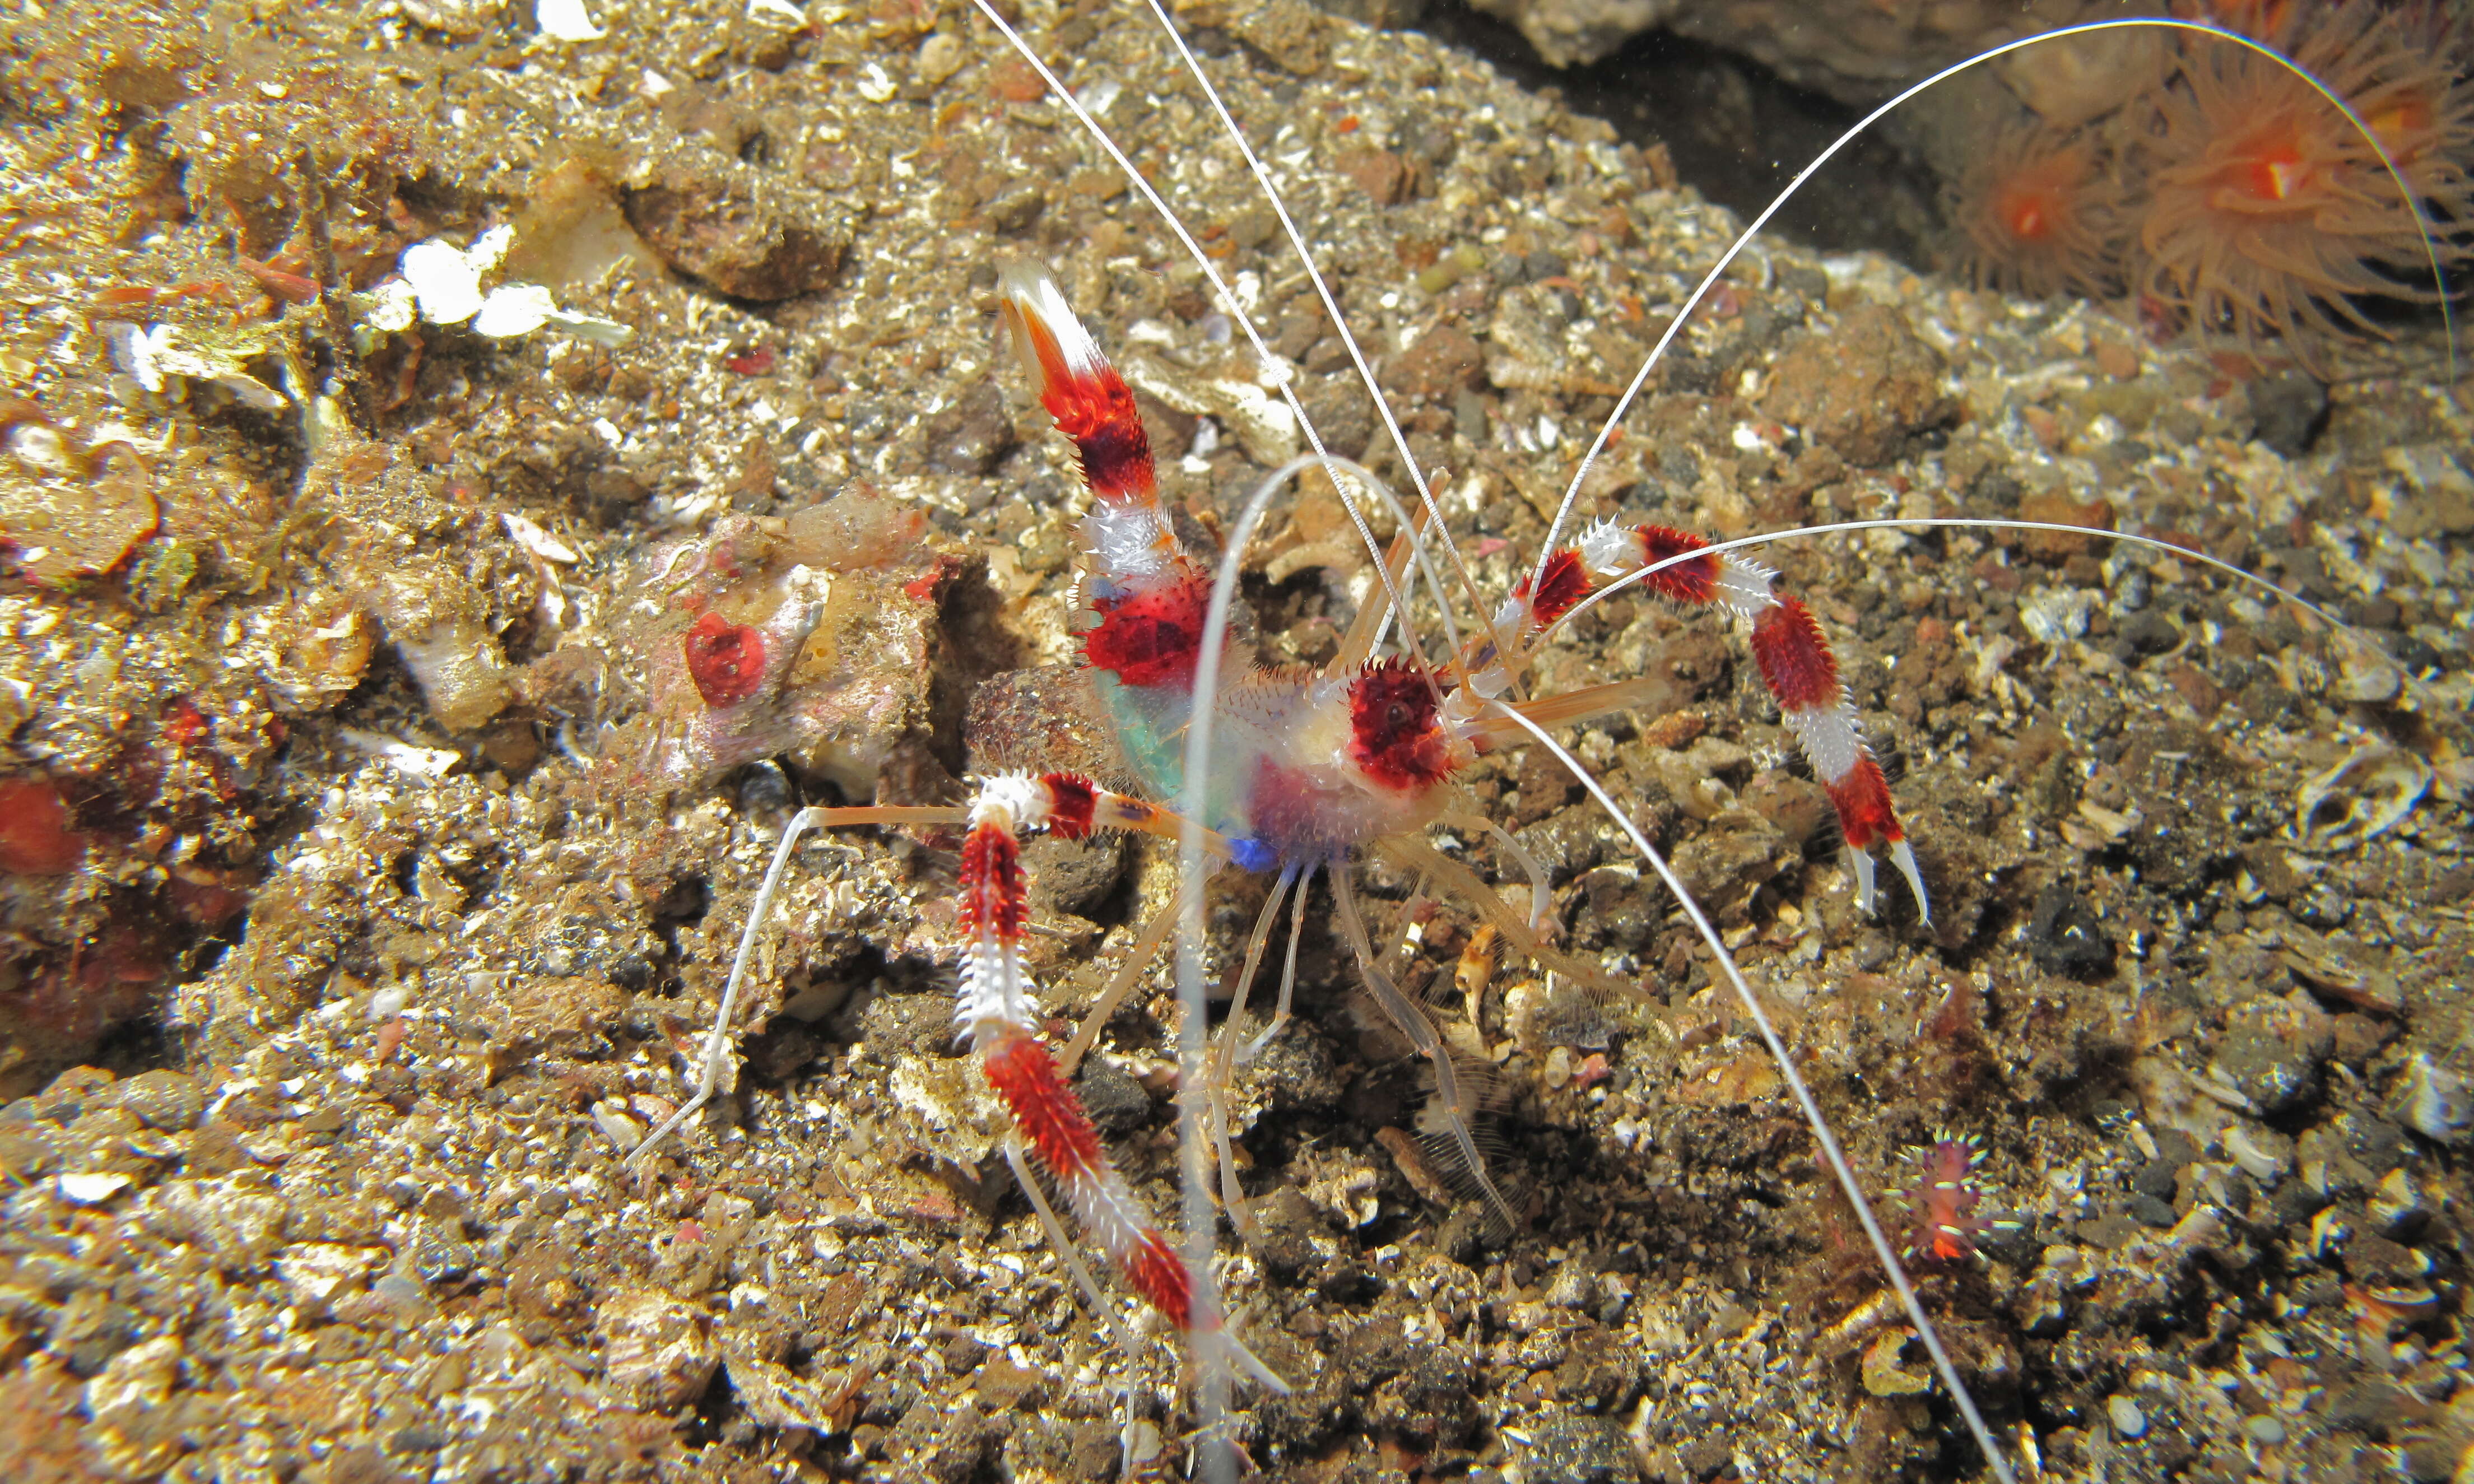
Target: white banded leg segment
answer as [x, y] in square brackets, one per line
[1744, 589]
[995, 994]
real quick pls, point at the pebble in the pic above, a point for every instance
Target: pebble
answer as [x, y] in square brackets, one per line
[91, 1189]
[2265, 1431]
[2398, 1205]
[704, 218]
[1569, 1448]
[162, 1099]
[2065, 936]
[2149, 1211]
[2272, 1049]
[660, 1352]
[1863, 389]
[2127, 1420]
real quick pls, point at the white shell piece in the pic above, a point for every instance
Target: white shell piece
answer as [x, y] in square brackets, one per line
[2431, 1100]
[251, 391]
[591, 327]
[447, 283]
[1263, 425]
[517, 309]
[218, 368]
[149, 355]
[490, 246]
[403, 756]
[623, 1131]
[390, 307]
[315, 1272]
[2260, 1159]
[533, 538]
[91, 1189]
[566, 20]
[2054, 615]
[134, 349]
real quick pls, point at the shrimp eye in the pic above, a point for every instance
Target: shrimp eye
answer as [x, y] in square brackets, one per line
[1393, 734]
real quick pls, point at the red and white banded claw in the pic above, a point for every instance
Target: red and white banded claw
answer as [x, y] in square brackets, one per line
[1799, 671]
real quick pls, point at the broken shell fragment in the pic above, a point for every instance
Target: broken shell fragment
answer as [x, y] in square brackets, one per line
[659, 1352]
[2329, 972]
[2368, 794]
[445, 280]
[517, 309]
[2379, 1310]
[67, 513]
[567, 20]
[439, 626]
[1883, 1375]
[2263, 1154]
[2369, 680]
[1263, 425]
[326, 654]
[2432, 1100]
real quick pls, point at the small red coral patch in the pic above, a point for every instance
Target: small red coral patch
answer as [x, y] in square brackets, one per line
[725, 660]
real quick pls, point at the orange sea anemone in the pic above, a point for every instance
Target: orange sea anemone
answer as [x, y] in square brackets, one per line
[2042, 217]
[2269, 210]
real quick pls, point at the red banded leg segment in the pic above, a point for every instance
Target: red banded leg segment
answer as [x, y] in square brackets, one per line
[1787, 644]
[998, 1012]
[998, 1015]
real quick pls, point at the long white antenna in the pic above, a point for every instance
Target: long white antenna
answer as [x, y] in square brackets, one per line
[1322, 290]
[1237, 313]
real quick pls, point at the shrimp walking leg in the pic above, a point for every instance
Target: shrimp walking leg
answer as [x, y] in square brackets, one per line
[1793, 655]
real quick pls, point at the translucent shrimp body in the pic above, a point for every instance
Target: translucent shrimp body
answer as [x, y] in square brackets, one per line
[1309, 766]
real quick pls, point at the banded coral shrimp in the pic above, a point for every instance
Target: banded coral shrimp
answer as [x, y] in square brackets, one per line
[1965, 1012]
